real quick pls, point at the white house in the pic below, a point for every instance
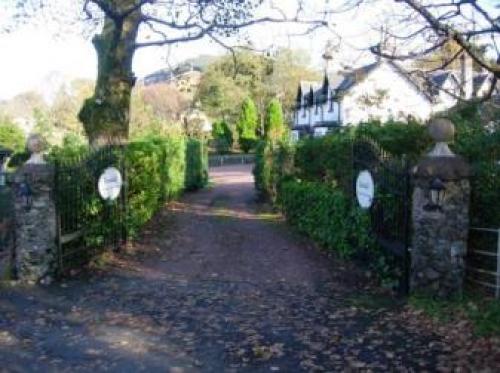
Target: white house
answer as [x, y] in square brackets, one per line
[381, 90]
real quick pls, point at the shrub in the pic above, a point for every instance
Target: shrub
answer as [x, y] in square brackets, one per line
[222, 136]
[145, 173]
[158, 169]
[72, 147]
[478, 140]
[247, 125]
[327, 159]
[262, 168]
[275, 128]
[398, 138]
[326, 215]
[11, 136]
[273, 164]
[196, 164]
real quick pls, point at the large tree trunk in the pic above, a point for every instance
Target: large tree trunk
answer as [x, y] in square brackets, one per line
[106, 115]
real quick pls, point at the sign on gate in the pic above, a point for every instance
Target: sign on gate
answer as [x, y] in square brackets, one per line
[110, 184]
[365, 189]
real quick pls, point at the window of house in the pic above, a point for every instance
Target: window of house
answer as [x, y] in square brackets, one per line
[320, 131]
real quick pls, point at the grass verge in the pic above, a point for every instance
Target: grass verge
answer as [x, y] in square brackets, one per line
[484, 314]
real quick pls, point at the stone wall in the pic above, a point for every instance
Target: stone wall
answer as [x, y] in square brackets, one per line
[36, 250]
[440, 239]
[6, 233]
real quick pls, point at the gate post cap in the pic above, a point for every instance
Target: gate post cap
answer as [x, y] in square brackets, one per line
[446, 168]
[441, 130]
[35, 145]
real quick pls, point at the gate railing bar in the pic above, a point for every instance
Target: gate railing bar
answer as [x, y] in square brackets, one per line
[67, 238]
[221, 160]
[407, 223]
[495, 273]
[392, 178]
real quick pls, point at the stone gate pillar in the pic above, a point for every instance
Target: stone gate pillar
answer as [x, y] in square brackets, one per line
[35, 218]
[440, 217]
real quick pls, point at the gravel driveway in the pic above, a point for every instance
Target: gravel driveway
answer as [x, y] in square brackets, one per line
[216, 283]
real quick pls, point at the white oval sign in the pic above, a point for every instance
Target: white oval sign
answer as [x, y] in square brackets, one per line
[365, 189]
[110, 184]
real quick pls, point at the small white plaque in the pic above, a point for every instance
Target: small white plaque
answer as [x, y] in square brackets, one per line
[110, 184]
[365, 189]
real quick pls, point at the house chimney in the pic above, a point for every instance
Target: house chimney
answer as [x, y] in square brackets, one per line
[466, 76]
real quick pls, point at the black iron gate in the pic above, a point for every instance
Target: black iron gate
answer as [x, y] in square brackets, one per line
[86, 223]
[390, 211]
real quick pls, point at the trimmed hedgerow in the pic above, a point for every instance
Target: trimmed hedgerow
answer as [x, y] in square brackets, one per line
[325, 214]
[273, 164]
[398, 138]
[326, 159]
[196, 164]
[158, 169]
[478, 140]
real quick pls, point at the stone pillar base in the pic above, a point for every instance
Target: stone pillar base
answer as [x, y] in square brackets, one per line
[439, 240]
[35, 213]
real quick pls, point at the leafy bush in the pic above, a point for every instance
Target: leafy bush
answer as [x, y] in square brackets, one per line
[146, 173]
[326, 215]
[11, 136]
[275, 128]
[398, 138]
[247, 125]
[327, 159]
[273, 164]
[222, 137]
[158, 169]
[72, 148]
[262, 168]
[478, 140]
[196, 164]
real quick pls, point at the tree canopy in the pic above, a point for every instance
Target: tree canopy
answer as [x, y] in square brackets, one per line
[420, 28]
[231, 79]
[11, 136]
[127, 25]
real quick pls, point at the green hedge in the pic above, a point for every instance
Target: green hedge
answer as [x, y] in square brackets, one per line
[398, 138]
[326, 159]
[158, 169]
[327, 215]
[478, 140]
[196, 164]
[273, 164]
[155, 173]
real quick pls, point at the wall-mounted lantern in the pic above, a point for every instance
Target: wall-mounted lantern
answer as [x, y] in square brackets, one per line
[437, 190]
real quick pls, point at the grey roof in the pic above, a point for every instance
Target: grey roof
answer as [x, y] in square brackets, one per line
[166, 75]
[479, 80]
[439, 78]
[348, 79]
[342, 82]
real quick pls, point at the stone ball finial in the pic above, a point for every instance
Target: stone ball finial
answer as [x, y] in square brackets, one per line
[441, 130]
[35, 145]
